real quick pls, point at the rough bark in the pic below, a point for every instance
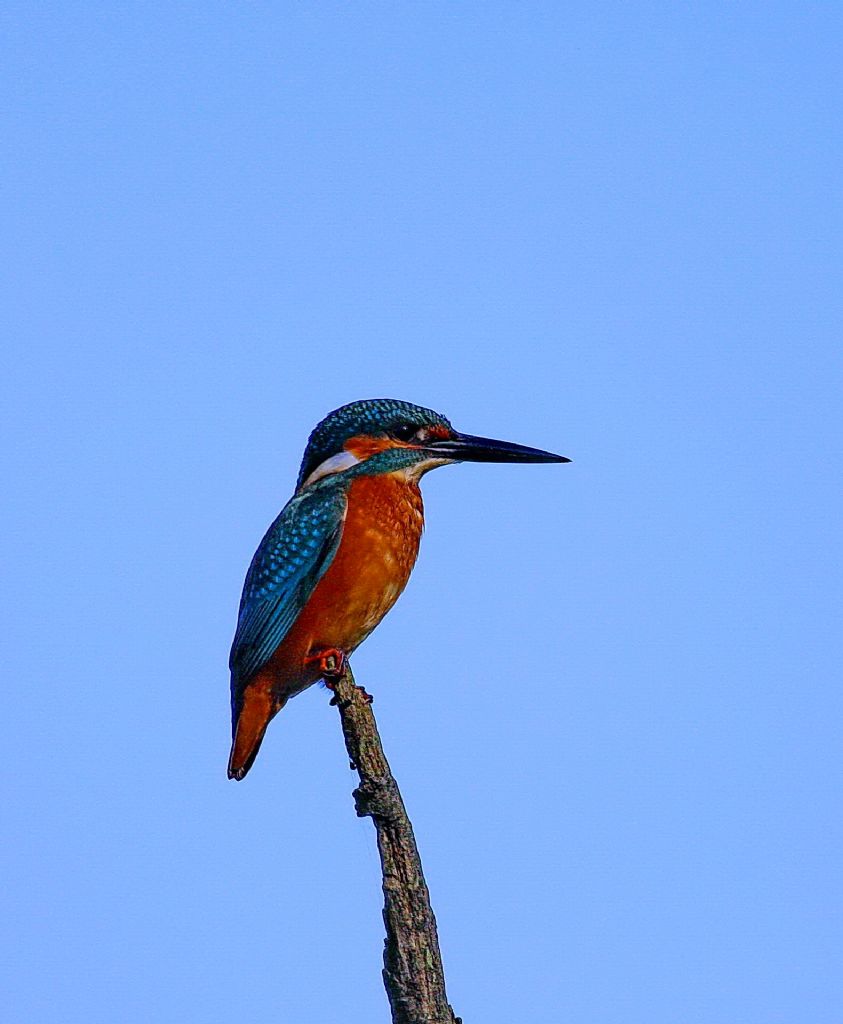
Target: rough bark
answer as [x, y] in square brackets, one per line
[412, 973]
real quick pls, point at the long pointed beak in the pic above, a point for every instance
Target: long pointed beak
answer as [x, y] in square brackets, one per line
[467, 448]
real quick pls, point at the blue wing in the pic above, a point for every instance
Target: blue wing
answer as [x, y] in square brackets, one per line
[290, 561]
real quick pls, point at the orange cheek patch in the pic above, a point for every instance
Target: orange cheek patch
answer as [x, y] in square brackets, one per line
[363, 447]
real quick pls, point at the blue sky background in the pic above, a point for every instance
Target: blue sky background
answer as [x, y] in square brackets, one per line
[611, 692]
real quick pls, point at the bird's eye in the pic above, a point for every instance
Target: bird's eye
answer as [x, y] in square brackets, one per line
[404, 432]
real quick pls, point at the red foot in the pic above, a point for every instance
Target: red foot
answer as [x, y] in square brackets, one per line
[330, 662]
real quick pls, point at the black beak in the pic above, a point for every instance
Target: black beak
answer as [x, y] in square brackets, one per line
[466, 448]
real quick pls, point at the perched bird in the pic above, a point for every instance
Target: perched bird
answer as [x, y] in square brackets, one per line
[335, 560]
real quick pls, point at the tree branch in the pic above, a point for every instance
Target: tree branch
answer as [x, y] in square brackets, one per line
[412, 972]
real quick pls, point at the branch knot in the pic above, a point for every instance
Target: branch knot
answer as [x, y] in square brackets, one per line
[378, 797]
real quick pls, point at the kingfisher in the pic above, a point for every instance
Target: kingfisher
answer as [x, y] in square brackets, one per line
[339, 554]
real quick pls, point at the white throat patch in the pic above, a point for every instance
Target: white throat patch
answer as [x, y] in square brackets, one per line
[418, 469]
[336, 464]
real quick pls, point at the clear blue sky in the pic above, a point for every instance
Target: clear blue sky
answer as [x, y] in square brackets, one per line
[611, 692]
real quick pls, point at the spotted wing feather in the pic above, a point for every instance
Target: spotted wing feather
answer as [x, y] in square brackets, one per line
[290, 561]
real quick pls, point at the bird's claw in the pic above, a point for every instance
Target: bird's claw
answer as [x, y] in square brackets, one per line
[331, 663]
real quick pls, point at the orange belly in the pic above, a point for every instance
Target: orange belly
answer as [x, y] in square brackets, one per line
[379, 545]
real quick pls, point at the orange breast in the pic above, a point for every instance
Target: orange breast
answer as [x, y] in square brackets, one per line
[379, 545]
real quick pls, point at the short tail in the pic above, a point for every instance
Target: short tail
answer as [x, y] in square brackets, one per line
[257, 709]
